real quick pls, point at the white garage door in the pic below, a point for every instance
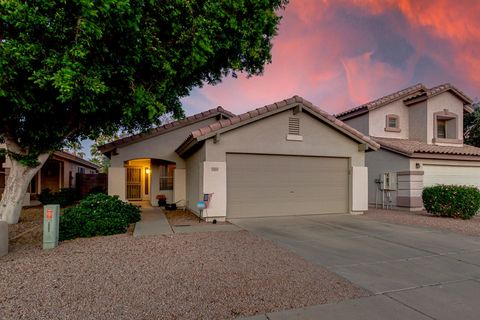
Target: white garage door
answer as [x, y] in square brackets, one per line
[451, 175]
[272, 185]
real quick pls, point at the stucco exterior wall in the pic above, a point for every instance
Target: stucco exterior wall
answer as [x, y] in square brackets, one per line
[418, 120]
[379, 162]
[194, 175]
[161, 147]
[268, 136]
[360, 123]
[445, 100]
[377, 120]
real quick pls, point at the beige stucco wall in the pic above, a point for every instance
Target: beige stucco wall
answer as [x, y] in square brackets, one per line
[160, 147]
[268, 136]
[377, 120]
[438, 103]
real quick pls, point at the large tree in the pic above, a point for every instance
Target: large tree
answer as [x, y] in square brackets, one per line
[75, 69]
[471, 126]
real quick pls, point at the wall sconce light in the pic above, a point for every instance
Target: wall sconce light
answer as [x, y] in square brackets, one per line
[417, 165]
[147, 171]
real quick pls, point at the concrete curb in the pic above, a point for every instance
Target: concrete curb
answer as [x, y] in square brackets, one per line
[3, 238]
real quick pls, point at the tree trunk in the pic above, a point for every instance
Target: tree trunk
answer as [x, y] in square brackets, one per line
[16, 185]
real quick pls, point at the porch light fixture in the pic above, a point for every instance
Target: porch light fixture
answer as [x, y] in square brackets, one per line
[147, 171]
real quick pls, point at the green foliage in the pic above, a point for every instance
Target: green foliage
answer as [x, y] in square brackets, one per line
[452, 201]
[65, 197]
[97, 215]
[76, 69]
[471, 127]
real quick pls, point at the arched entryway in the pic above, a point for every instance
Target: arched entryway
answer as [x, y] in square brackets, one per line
[146, 178]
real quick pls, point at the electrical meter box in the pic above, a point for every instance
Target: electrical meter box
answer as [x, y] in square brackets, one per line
[389, 181]
[51, 220]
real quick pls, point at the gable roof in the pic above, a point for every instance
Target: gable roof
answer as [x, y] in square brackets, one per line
[413, 148]
[268, 110]
[219, 111]
[73, 158]
[438, 90]
[380, 102]
[410, 95]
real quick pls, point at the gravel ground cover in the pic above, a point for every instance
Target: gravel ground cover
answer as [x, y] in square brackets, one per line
[423, 219]
[29, 218]
[185, 217]
[219, 275]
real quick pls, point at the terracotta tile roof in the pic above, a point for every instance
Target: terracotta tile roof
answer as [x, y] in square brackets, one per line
[73, 158]
[408, 94]
[166, 128]
[412, 147]
[380, 102]
[440, 89]
[283, 105]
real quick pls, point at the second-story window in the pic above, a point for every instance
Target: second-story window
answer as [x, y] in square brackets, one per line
[445, 127]
[441, 128]
[392, 123]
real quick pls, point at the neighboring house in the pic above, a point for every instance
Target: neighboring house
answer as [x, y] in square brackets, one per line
[287, 158]
[420, 131]
[58, 172]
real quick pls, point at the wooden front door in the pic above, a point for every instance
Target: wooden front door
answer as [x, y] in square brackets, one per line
[134, 183]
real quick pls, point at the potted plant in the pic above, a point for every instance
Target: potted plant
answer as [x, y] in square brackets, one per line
[162, 200]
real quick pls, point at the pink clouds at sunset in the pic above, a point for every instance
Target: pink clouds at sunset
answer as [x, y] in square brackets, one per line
[339, 54]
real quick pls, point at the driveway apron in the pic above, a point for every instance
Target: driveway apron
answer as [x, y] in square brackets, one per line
[415, 273]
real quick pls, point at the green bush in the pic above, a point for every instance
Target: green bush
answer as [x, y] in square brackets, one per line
[97, 215]
[452, 201]
[64, 197]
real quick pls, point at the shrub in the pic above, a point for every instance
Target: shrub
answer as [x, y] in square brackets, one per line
[64, 197]
[97, 215]
[452, 201]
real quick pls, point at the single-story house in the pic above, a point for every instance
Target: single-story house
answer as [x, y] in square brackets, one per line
[59, 171]
[420, 131]
[286, 158]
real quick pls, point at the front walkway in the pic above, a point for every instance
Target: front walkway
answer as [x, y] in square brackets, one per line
[412, 273]
[154, 222]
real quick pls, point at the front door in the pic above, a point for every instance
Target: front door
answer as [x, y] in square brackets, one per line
[134, 183]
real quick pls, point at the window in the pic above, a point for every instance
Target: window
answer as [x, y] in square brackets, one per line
[81, 170]
[441, 128]
[166, 176]
[445, 127]
[392, 123]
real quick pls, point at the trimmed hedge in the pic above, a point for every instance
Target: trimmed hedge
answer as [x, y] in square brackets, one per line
[452, 201]
[64, 197]
[97, 215]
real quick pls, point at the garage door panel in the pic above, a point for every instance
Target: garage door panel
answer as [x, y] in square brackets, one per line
[459, 175]
[271, 185]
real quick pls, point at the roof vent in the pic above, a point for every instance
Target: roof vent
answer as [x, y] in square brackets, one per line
[294, 126]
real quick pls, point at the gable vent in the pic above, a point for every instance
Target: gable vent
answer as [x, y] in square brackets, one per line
[294, 126]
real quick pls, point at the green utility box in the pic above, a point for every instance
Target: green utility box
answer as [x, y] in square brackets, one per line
[51, 220]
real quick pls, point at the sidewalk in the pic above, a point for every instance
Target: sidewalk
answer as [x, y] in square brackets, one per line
[154, 222]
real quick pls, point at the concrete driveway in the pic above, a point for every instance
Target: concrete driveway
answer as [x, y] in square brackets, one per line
[413, 273]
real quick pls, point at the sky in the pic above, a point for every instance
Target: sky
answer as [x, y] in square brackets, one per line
[339, 54]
